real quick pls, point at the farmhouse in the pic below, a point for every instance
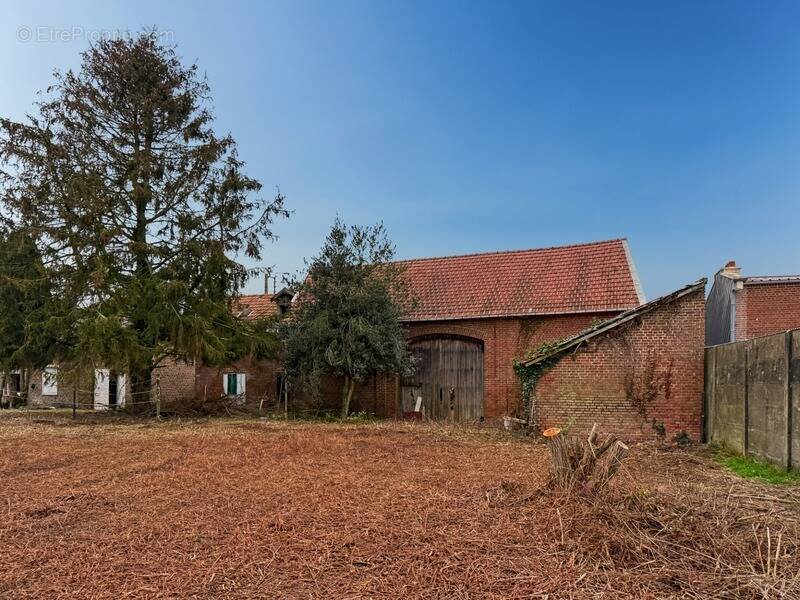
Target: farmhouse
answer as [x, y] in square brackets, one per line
[104, 389]
[743, 307]
[475, 314]
[174, 379]
[635, 367]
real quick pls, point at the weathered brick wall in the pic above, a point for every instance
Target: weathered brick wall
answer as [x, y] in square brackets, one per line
[175, 379]
[503, 340]
[660, 353]
[764, 309]
[261, 379]
[66, 384]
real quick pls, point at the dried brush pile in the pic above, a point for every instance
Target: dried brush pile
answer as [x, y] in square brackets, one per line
[635, 542]
[288, 510]
[217, 406]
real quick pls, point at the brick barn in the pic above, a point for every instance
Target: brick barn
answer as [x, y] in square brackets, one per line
[476, 313]
[638, 375]
[743, 307]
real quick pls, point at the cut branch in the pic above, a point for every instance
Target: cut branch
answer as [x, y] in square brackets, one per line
[579, 464]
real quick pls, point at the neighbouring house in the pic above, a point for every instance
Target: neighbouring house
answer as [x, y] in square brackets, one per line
[743, 307]
[638, 375]
[474, 314]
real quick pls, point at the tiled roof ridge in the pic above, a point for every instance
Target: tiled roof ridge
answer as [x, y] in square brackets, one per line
[506, 252]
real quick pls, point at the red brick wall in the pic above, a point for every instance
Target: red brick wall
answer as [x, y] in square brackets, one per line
[66, 385]
[764, 309]
[503, 340]
[261, 379]
[175, 380]
[661, 351]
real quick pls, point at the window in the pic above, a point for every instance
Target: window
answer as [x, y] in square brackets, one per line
[15, 382]
[233, 384]
[284, 301]
[50, 381]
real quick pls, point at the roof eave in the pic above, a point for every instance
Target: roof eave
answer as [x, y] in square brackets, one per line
[771, 280]
[614, 322]
[589, 311]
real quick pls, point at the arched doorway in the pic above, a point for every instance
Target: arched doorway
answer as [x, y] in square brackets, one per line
[448, 376]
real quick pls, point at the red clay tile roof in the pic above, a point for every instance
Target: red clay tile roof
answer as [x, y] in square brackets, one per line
[579, 338]
[593, 277]
[258, 305]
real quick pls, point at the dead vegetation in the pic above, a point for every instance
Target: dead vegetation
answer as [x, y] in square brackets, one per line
[299, 510]
[579, 464]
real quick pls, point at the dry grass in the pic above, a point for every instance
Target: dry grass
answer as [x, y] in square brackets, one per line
[303, 510]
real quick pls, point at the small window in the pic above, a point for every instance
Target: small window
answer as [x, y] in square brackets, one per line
[284, 301]
[50, 381]
[233, 384]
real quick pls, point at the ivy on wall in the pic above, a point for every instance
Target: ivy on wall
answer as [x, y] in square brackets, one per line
[529, 375]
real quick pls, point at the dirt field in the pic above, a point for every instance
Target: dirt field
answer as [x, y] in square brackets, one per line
[389, 510]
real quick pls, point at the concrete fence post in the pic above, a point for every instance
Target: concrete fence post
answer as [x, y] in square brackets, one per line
[746, 367]
[788, 401]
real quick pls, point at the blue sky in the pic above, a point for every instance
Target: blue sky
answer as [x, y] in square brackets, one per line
[491, 126]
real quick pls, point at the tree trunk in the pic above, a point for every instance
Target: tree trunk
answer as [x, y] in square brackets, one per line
[348, 389]
[578, 463]
[25, 385]
[141, 386]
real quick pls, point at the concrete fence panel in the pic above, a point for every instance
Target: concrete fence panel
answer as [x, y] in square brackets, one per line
[767, 406]
[753, 397]
[728, 413]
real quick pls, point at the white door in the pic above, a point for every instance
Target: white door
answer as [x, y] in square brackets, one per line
[101, 377]
[121, 382]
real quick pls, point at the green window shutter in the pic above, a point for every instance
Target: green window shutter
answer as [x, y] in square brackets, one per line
[232, 391]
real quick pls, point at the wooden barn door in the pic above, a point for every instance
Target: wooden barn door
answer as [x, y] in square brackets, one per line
[441, 365]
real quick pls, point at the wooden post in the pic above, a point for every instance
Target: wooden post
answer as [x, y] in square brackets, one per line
[74, 402]
[285, 398]
[158, 397]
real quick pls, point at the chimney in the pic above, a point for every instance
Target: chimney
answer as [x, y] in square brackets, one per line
[266, 283]
[731, 270]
